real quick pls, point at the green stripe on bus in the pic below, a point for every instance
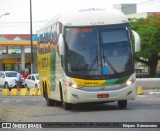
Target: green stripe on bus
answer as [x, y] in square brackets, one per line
[117, 80]
[53, 70]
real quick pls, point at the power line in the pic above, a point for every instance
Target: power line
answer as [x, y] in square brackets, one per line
[23, 22]
[145, 2]
[138, 4]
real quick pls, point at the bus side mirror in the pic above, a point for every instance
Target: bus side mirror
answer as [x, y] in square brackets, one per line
[61, 44]
[137, 41]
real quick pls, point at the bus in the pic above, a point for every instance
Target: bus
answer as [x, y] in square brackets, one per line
[87, 56]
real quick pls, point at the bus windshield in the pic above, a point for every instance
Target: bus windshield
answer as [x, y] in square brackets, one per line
[98, 50]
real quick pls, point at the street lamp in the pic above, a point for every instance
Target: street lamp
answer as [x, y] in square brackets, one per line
[31, 40]
[5, 14]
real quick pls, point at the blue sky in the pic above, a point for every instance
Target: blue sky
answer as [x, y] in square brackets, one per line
[18, 20]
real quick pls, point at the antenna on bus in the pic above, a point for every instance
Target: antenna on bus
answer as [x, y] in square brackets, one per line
[91, 9]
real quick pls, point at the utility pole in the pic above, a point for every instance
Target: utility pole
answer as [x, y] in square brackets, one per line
[31, 40]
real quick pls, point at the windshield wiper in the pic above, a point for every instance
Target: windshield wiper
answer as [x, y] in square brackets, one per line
[109, 63]
[92, 64]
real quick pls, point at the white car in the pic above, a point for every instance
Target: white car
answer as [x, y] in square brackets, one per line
[32, 81]
[8, 79]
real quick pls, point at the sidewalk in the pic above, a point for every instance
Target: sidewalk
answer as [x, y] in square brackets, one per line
[151, 92]
[148, 82]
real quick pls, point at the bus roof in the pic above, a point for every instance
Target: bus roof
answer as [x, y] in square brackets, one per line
[89, 17]
[93, 17]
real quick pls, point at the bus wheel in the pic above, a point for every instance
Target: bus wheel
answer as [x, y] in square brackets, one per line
[49, 102]
[67, 106]
[44, 93]
[122, 104]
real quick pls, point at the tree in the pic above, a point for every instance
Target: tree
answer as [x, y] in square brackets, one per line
[149, 31]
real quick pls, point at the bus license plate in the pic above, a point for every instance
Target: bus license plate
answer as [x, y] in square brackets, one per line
[102, 95]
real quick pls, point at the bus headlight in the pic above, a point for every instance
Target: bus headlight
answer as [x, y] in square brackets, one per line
[73, 85]
[129, 82]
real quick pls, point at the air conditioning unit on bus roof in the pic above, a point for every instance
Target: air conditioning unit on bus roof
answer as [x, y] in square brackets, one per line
[91, 9]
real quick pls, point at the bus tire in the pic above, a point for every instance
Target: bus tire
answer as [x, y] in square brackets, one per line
[44, 93]
[43, 90]
[122, 104]
[49, 102]
[66, 106]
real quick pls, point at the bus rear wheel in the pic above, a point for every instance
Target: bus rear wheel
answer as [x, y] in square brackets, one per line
[67, 106]
[49, 102]
[122, 104]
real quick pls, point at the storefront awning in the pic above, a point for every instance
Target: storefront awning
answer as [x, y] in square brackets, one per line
[17, 43]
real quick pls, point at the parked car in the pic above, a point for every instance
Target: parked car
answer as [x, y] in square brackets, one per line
[8, 79]
[32, 81]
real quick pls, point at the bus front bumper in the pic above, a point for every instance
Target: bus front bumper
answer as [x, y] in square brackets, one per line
[76, 96]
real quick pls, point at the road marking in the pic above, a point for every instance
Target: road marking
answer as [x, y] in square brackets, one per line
[5, 101]
[18, 101]
[142, 95]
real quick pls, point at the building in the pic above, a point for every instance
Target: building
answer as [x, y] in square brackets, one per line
[126, 8]
[15, 52]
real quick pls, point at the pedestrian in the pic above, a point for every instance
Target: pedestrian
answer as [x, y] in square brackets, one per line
[19, 80]
[26, 74]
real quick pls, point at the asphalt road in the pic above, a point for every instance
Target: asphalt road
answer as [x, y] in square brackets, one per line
[146, 108]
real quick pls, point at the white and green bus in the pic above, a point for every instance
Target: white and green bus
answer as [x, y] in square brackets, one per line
[87, 57]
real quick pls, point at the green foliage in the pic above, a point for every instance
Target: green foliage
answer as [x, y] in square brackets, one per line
[149, 31]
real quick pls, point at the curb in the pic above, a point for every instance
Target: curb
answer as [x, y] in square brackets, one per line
[22, 92]
[33, 92]
[154, 92]
[14, 92]
[5, 92]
